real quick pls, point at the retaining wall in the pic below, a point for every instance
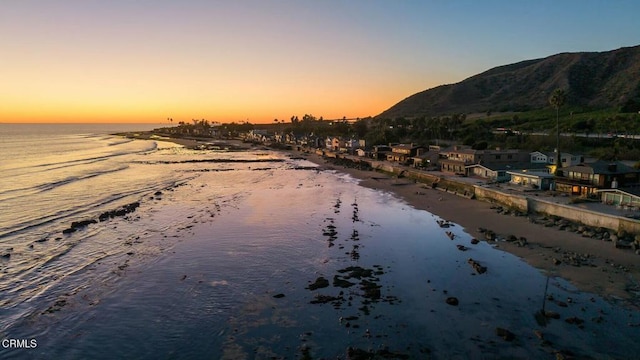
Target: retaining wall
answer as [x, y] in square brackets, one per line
[519, 202]
[514, 201]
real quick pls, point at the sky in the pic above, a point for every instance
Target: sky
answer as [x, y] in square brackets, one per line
[142, 61]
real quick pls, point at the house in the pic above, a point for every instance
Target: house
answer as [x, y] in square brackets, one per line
[538, 179]
[463, 154]
[428, 159]
[403, 153]
[361, 152]
[585, 179]
[459, 160]
[628, 198]
[380, 152]
[497, 171]
[567, 159]
[508, 156]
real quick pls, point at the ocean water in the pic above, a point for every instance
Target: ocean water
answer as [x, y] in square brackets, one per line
[259, 254]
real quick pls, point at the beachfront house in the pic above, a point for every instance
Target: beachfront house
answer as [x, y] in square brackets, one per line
[379, 152]
[585, 179]
[538, 179]
[428, 159]
[403, 153]
[499, 171]
[489, 163]
[567, 159]
[625, 198]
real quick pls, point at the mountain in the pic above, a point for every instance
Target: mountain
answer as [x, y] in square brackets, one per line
[591, 79]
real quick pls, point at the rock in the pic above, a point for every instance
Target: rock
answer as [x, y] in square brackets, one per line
[77, 225]
[462, 247]
[574, 320]
[556, 261]
[476, 266]
[522, 241]
[552, 314]
[453, 301]
[490, 235]
[339, 282]
[505, 334]
[474, 241]
[278, 296]
[319, 283]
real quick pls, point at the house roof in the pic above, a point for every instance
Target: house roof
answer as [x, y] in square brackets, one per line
[533, 173]
[405, 146]
[508, 166]
[601, 167]
[632, 191]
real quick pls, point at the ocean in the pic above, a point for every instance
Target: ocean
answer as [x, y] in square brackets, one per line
[188, 254]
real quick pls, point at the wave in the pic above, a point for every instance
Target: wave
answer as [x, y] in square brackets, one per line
[86, 210]
[81, 159]
[40, 188]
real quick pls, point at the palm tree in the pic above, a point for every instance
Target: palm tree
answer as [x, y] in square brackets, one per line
[557, 99]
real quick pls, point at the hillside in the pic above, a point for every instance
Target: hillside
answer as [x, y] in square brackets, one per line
[593, 80]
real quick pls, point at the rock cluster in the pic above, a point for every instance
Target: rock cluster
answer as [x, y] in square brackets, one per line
[122, 211]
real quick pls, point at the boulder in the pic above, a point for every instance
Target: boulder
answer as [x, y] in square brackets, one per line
[505, 334]
[453, 301]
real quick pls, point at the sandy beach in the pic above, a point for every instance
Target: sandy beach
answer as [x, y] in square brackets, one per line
[603, 269]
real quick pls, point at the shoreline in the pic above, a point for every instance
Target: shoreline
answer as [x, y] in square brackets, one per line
[590, 265]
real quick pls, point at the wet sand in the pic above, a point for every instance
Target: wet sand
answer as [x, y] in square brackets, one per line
[604, 270]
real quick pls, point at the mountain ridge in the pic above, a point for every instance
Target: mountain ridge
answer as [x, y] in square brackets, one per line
[591, 79]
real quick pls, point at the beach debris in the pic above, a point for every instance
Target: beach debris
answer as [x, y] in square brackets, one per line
[453, 301]
[477, 266]
[505, 334]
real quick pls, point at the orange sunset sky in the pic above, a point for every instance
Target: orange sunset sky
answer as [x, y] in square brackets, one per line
[255, 60]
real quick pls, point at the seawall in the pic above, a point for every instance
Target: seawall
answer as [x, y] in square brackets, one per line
[526, 204]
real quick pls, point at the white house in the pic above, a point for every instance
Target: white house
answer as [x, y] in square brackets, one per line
[567, 159]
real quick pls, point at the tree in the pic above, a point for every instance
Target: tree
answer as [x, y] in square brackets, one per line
[557, 100]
